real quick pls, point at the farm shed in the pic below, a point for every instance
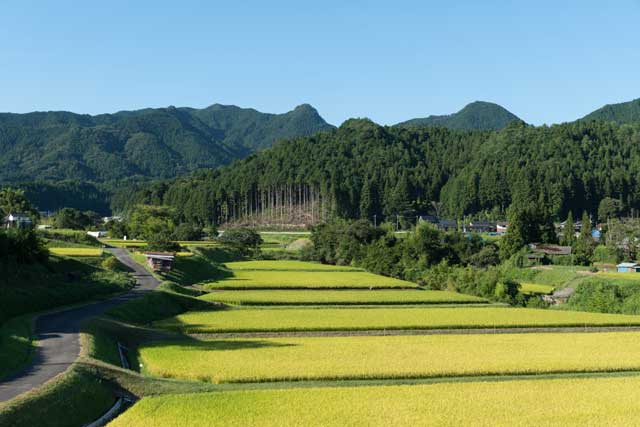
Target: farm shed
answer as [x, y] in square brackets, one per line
[628, 267]
[159, 261]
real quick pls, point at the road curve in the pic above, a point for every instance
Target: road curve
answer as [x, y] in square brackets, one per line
[58, 334]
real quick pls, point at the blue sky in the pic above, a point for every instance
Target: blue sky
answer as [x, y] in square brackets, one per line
[546, 61]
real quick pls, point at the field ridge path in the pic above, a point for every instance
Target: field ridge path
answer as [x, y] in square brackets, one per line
[58, 333]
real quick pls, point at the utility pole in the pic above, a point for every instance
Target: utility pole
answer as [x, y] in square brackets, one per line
[397, 222]
[375, 222]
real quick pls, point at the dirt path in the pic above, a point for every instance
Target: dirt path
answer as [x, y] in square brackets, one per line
[58, 334]
[387, 332]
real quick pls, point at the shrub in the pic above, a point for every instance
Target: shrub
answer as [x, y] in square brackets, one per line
[112, 263]
[244, 240]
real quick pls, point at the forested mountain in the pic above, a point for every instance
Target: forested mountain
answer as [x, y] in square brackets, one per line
[157, 143]
[477, 115]
[362, 169]
[625, 112]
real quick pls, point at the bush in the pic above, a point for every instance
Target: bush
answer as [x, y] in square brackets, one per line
[162, 242]
[597, 295]
[111, 263]
[244, 240]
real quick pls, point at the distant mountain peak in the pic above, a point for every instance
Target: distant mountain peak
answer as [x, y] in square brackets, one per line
[480, 115]
[624, 112]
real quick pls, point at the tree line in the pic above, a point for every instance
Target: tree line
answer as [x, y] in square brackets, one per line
[363, 170]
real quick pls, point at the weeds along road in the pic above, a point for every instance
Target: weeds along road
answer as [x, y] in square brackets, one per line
[58, 334]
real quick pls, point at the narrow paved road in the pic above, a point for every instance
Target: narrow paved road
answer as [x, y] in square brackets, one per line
[59, 334]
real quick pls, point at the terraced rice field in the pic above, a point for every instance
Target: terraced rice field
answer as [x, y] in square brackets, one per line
[531, 403]
[337, 319]
[340, 297]
[390, 357]
[244, 279]
[76, 252]
[286, 266]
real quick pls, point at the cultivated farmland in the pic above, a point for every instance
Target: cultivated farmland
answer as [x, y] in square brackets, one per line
[366, 357]
[601, 401]
[340, 297]
[76, 252]
[286, 266]
[332, 319]
[243, 279]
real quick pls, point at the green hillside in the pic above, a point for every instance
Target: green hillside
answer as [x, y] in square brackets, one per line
[477, 115]
[362, 169]
[625, 112]
[157, 143]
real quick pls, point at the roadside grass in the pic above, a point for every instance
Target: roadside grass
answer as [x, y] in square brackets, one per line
[245, 279]
[377, 318]
[76, 252]
[16, 345]
[367, 357]
[602, 401]
[536, 288]
[61, 281]
[72, 399]
[340, 297]
[286, 265]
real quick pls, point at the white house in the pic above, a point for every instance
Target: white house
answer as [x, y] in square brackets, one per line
[18, 220]
[97, 234]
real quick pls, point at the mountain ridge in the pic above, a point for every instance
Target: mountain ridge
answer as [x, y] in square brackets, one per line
[151, 142]
[477, 115]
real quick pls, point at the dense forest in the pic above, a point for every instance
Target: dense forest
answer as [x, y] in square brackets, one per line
[156, 143]
[477, 115]
[362, 170]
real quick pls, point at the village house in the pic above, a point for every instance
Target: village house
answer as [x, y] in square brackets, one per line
[480, 227]
[443, 224]
[159, 261]
[501, 227]
[628, 267]
[18, 220]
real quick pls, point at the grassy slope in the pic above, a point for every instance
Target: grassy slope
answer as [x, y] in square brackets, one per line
[339, 297]
[16, 345]
[73, 399]
[323, 319]
[360, 357]
[608, 401]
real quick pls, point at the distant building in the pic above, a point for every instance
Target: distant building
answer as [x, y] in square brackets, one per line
[480, 227]
[107, 219]
[44, 227]
[97, 234]
[18, 220]
[501, 227]
[560, 296]
[443, 224]
[159, 261]
[628, 267]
